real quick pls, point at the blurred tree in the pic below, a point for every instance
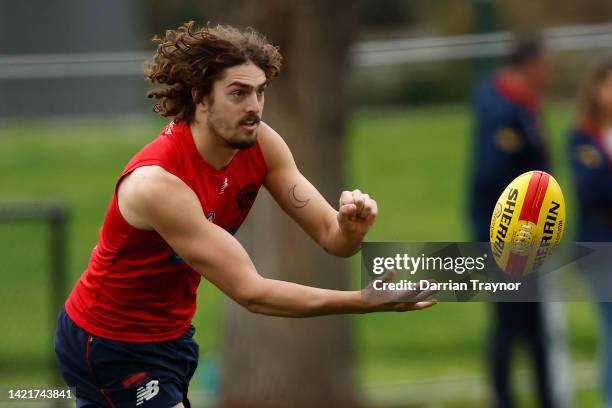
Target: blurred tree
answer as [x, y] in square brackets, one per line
[274, 362]
[385, 13]
[162, 15]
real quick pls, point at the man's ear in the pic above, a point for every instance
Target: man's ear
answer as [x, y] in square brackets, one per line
[199, 99]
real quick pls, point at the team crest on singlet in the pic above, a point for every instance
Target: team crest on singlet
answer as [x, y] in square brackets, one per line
[246, 196]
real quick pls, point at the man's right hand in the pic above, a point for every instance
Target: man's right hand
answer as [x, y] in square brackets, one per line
[395, 300]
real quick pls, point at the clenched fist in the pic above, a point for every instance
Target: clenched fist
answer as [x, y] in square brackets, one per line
[356, 214]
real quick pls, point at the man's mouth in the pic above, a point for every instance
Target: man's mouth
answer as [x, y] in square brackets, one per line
[250, 124]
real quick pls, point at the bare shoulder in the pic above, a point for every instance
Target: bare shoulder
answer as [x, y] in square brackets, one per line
[267, 136]
[148, 190]
[149, 182]
[274, 149]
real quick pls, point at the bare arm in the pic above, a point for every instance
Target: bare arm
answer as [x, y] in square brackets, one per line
[338, 232]
[152, 199]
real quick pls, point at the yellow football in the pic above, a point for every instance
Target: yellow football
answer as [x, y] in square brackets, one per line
[527, 223]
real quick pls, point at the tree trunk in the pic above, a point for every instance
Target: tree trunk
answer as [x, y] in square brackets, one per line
[277, 362]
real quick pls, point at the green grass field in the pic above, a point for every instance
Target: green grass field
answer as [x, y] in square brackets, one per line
[413, 161]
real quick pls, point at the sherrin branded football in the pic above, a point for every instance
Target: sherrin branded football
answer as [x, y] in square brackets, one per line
[527, 223]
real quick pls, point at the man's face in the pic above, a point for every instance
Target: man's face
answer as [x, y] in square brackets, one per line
[540, 71]
[235, 106]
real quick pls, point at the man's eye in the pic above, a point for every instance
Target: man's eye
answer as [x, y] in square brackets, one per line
[238, 93]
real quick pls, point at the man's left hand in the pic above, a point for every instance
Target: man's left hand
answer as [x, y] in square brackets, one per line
[356, 214]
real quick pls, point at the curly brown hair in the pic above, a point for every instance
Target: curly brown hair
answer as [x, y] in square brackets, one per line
[188, 58]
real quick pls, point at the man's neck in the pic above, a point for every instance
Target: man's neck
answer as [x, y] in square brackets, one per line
[211, 147]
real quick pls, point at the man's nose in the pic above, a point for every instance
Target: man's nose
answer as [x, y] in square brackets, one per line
[253, 104]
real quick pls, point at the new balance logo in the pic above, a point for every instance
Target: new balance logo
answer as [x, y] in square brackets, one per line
[147, 392]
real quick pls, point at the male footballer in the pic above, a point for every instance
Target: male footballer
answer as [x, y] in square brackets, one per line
[124, 338]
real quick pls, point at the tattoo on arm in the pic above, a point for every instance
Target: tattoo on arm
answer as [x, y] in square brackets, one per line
[296, 202]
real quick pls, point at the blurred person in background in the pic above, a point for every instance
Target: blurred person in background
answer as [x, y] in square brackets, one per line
[591, 157]
[508, 141]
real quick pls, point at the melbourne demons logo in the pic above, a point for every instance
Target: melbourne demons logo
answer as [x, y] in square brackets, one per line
[246, 196]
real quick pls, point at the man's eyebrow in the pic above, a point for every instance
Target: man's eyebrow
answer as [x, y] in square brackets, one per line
[247, 86]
